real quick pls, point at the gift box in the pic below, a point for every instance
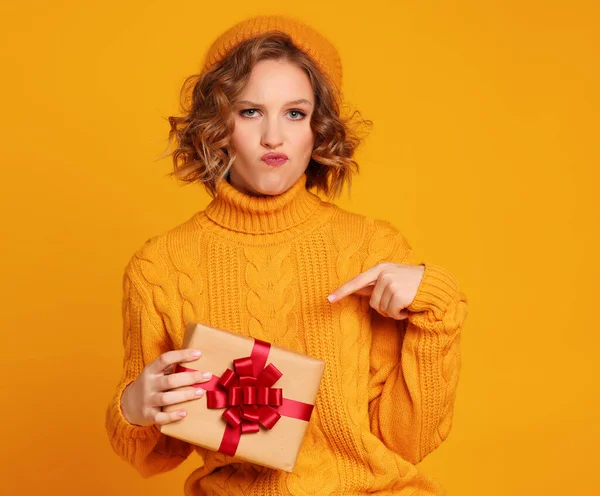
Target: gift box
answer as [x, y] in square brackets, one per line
[258, 403]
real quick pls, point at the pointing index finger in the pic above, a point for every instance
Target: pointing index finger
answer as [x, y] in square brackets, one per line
[360, 281]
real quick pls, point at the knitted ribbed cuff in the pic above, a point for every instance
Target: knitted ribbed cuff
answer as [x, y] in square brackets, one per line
[437, 290]
[120, 428]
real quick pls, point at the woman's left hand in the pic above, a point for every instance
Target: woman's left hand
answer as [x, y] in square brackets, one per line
[392, 287]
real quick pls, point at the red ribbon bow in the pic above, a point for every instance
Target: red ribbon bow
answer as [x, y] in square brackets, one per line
[249, 399]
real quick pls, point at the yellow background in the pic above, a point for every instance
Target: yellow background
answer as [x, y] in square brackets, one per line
[484, 153]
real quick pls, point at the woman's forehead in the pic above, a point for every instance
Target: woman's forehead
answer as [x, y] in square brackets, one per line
[277, 80]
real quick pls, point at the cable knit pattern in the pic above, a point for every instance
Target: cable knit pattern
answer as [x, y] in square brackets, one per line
[263, 267]
[348, 264]
[268, 276]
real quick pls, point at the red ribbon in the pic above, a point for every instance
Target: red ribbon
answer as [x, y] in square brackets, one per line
[248, 397]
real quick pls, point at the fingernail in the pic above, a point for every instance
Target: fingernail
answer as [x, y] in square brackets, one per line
[196, 353]
[207, 375]
[331, 298]
[182, 414]
[199, 392]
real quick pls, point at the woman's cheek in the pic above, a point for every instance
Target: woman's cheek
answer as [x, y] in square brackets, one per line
[241, 137]
[309, 142]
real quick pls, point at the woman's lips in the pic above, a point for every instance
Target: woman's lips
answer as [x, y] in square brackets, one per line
[274, 159]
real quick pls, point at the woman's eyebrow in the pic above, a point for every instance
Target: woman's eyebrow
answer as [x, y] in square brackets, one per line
[293, 102]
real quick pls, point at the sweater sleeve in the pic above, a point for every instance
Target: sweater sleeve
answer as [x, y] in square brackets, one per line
[415, 363]
[144, 338]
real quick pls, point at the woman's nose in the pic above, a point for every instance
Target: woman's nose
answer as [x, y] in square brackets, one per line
[271, 136]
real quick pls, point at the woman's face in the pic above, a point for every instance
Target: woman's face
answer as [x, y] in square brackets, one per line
[272, 115]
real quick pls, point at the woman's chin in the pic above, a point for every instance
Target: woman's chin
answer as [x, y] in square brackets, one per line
[269, 192]
[270, 188]
[264, 183]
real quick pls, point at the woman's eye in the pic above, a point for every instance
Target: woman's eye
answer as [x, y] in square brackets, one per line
[247, 110]
[297, 112]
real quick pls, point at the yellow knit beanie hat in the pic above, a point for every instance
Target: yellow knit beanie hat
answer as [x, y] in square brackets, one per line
[305, 37]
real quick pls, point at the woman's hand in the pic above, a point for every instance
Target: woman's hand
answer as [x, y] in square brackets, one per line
[392, 287]
[142, 400]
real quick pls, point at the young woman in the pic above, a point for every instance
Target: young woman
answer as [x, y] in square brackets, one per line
[270, 259]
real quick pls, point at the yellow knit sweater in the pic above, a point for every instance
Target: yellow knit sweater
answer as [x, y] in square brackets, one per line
[263, 267]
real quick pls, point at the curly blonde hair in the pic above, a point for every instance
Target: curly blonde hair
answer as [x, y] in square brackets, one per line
[202, 135]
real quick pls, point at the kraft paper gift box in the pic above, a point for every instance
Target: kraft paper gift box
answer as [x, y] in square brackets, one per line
[258, 403]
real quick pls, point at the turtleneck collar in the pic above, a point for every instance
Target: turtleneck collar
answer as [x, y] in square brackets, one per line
[238, 211]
